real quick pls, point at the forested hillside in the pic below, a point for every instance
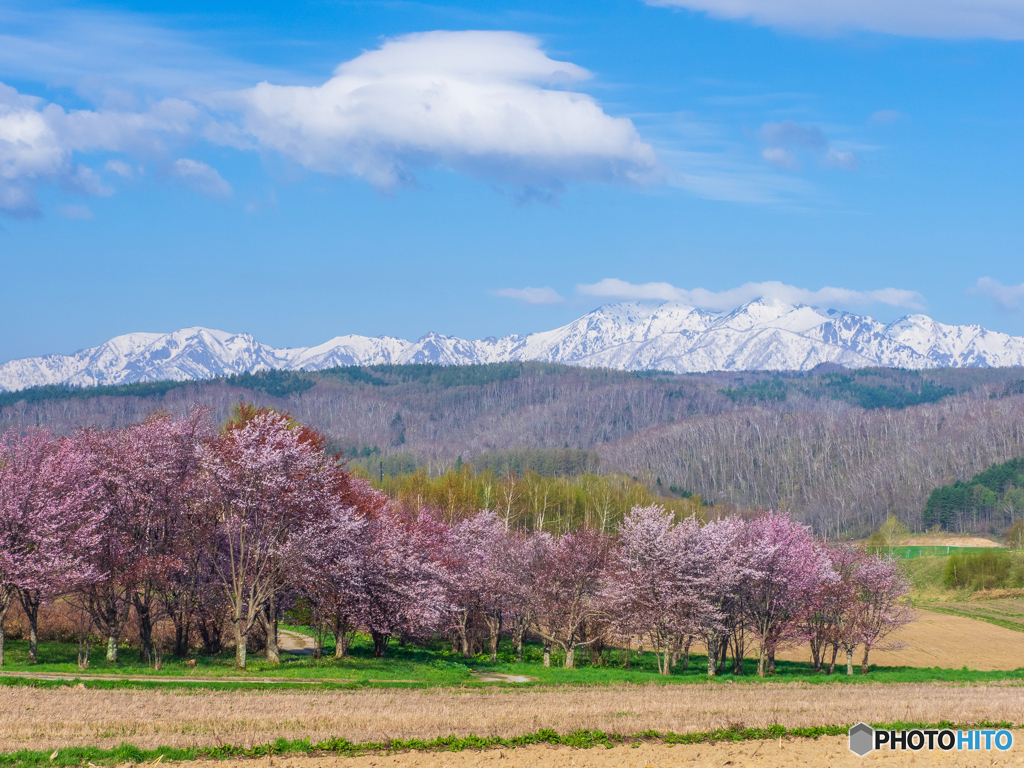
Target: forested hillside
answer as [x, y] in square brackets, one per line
[842, 449]
[993, 497]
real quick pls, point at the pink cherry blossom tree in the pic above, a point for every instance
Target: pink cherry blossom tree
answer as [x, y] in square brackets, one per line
[718, 558]
[49, 522]
[526, 558]
[325, 567]
[265, 478]
[788, 570]
[480, 577]
[882, 587]
[148, 474]
[567, 588]
[648, 591]
[402, 583]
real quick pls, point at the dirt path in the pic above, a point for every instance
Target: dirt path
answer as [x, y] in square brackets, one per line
[58, 717]
[295, 642]
[825, 751]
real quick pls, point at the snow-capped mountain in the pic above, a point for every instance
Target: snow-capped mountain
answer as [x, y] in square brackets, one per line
[761, 335]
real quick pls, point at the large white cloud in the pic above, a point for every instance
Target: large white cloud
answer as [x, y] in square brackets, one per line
[1000, 19]
[490, 104]
[735, 297]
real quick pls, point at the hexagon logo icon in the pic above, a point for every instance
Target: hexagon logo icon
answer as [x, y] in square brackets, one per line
[862, 739]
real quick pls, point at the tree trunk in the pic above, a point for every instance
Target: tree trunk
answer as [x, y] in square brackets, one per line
[832, 664]
[6, 595]
[666, 668]
[112, 649]
[31, 599]
[494, 646]
[340, 637]
[761, 658]
[380, 645]
[771, 662]
[142, 610]
[547, 654]
[849, 662]
[240, 638]
[816, 654]
[181, 627]
[686, 652]
[268, 617]
[711, 640]
[739, 649]
[864, 663]
[83, 653]
[570, 657]
[464, 637]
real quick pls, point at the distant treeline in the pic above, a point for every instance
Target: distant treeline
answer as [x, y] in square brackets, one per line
[283, 383]
[546, 462]
[904, 389]
[530, 501]
[993, 496]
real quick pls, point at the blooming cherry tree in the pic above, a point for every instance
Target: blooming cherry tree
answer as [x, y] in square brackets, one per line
[49, 522]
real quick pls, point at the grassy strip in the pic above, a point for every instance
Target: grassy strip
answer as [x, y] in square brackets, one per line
[1016, 626]
[126, 753]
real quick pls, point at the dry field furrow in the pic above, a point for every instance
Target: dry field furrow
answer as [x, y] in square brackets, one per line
[827, 751]
[51, 718]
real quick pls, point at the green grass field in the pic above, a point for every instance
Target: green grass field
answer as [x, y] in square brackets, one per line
[419, 667]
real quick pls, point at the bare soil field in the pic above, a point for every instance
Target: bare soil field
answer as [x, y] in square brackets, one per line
[51, 718]
[950, 642]
[824, 751]
[949, 541]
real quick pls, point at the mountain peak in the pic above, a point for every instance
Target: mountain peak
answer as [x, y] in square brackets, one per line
[764, 334]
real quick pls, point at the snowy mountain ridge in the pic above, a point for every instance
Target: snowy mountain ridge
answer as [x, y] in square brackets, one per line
[761, 335]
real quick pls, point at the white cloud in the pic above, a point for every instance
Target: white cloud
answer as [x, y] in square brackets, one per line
[735, 297]
[1003, 296]
[80, 212]
[199, 177]
[780, 158]
[544, 295]
[120, 167]
[1000, 19]
[489, 104]
[783, 139]
[37, 141]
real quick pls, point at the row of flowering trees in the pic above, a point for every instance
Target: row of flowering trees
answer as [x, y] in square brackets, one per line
[204, 528]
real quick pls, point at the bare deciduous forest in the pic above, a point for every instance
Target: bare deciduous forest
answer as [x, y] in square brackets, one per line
[841, 449]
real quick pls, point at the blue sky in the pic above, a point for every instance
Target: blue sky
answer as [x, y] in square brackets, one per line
[304, 170]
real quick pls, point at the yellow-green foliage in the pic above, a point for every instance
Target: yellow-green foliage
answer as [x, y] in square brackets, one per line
[992, 569]
[1015, 536]
[531, 501]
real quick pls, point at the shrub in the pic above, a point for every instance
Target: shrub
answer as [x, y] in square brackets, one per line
[981, 570]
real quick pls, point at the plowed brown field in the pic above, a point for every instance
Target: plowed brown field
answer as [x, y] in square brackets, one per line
[941, 640]
[826, 751]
